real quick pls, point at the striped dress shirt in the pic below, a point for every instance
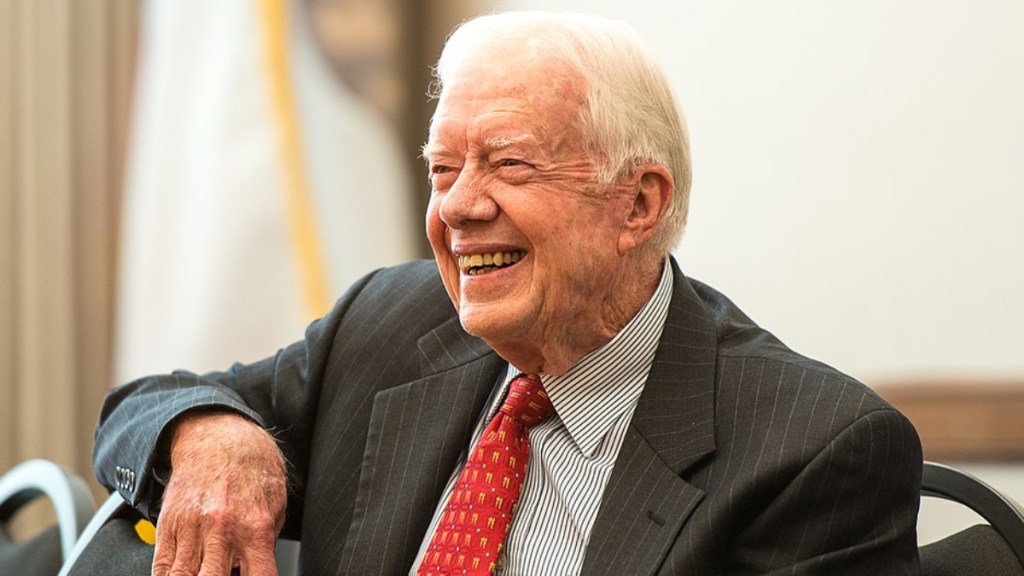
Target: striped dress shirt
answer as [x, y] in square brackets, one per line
[572, 454]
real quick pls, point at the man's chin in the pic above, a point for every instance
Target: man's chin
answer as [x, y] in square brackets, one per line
[490, 322]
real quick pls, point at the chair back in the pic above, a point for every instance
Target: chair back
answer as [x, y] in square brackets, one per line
[42, 554]
[996, 549]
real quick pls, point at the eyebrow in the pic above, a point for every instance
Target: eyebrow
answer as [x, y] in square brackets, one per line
[502, 142]
[496, 143]
[428, 149]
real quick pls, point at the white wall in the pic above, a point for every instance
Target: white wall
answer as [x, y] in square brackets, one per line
[858, 179]
[859, 172]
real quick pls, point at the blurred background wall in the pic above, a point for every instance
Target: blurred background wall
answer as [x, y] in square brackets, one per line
[858, 189]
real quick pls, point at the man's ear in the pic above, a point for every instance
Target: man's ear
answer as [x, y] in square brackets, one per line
[652, 197]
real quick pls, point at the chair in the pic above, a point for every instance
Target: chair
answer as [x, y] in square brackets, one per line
[109, 544]
[42, 554]
[994, 550]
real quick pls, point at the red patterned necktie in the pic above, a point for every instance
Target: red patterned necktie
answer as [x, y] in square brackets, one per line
[475, 522]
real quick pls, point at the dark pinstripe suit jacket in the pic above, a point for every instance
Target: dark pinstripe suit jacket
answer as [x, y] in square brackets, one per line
[742, 457]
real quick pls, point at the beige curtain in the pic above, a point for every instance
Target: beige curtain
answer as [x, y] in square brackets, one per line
[65, 83]
[66, 70]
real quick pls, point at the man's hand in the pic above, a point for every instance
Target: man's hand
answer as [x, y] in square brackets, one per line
[225, 502]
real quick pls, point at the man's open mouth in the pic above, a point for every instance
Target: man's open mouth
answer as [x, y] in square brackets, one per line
[484, 263]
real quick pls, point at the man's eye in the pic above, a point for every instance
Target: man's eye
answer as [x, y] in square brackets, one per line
[442, 176]
[510, 162]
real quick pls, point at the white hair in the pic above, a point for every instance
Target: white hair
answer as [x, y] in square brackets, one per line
[631, 116]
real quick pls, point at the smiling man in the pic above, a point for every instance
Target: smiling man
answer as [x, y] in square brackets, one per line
[584, 408]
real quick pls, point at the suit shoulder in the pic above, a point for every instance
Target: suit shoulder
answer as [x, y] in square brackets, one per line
[416, 275]
[748, 354]
[393, 304]
[412, 284]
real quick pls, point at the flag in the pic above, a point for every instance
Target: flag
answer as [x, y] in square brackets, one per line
[257, 188]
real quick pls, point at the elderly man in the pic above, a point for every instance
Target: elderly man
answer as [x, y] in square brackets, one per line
[583, 409]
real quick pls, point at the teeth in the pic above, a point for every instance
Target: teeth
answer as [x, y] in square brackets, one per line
[468, 263]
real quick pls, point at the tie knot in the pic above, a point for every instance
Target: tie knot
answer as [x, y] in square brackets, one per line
[527, 401]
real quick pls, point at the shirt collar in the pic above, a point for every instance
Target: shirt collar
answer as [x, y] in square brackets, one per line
[605, 384]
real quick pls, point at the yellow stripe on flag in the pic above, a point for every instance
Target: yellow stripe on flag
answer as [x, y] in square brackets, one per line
[298, 197]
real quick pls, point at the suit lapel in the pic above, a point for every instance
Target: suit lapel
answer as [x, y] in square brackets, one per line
[647, 501]
[417, 432]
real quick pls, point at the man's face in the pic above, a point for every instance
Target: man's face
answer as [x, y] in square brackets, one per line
[526, 243]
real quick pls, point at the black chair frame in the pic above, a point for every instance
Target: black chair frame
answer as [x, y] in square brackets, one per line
[72, 501]
[1002, 513]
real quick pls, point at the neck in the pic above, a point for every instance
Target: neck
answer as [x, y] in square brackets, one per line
[562, 346]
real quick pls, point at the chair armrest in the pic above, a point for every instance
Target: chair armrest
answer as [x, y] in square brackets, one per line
[1002, 512]
[113, 507]
[69, 494]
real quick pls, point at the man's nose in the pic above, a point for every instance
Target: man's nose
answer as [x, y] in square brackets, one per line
[468, 200]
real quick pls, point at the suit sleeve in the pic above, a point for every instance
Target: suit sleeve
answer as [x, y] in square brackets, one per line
[280, 393]
[852, 510]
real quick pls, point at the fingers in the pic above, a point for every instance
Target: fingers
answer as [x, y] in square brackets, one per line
[193, 547]
[163, 556]
[193, 541]
[218, 558]
[212, 557]
[177, 555]
[258, 559]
